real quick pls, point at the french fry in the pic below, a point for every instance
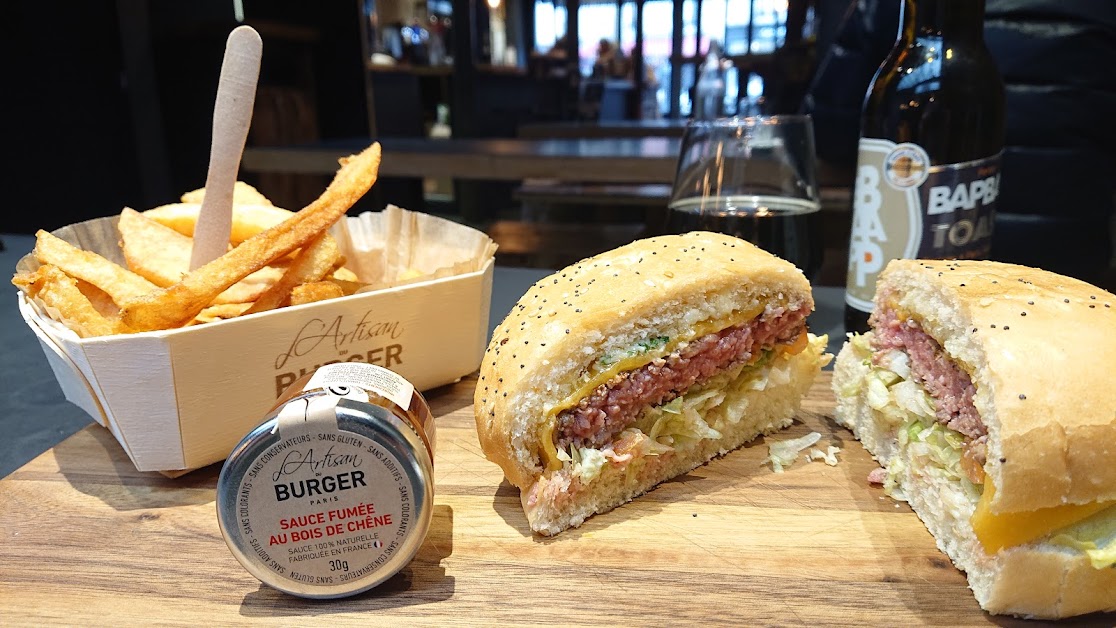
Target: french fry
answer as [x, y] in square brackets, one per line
[247, 220]
[59, 291]
[219, 312]
[347, 287]
[99, 299]
[315, 261]
[243, 194]
[344, 274]
[178, 304]
[154, 251]
[315, 291]
[162, 255]
[118, 282]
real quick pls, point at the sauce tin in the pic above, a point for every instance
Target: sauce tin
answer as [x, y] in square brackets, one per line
[333, 493]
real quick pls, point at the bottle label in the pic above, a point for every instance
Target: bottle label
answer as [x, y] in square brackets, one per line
[905, 208]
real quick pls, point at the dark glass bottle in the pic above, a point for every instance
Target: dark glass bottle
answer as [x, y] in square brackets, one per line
[931, 136]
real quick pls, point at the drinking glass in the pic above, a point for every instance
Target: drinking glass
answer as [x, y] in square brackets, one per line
[754, 178]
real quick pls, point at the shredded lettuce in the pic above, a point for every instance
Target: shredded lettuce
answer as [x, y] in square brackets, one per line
[681, 419]
[930, 446]
[587, 462]
[829, 456]
[782, 454]
[639, 348]
[897, 362]
[937, 450]
[1096, 536]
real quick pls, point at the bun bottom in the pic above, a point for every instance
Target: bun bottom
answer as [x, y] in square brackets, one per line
[768, 411]
[1037, 580]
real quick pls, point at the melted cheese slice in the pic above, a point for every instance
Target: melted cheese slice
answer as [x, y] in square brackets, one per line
[996, 532]
[596, 377]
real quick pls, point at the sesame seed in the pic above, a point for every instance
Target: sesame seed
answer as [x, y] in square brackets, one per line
[1093, 297]
[1066, 300]
[1092, 306]
[1022, 313]
[1006, 328]
[1003, 460]
[993, 327]
[1030, 302]
[1022, 396]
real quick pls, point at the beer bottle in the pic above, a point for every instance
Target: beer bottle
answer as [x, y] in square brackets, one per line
[928, 166]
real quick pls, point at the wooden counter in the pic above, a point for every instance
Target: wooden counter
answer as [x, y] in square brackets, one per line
[629, 160]
[88, 540]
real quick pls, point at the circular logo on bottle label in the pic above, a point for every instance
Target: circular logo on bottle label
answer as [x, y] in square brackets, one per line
[906, 166]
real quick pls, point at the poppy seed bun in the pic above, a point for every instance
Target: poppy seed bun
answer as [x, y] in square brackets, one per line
[1039, 349]
[656, 287]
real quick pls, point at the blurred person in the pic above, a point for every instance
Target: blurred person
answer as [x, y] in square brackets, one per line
[558, 50]
[611, 62]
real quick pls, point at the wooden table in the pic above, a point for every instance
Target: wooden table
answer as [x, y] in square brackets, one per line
[641, 159]
[89, 540]
[628, 160]
[609, 128]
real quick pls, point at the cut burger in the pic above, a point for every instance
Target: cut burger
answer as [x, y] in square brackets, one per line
[634, 366]
[984, 391]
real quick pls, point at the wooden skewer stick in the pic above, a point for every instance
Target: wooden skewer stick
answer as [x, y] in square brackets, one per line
[232, 115]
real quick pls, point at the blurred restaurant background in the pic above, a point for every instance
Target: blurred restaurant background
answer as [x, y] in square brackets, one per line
[553, 125]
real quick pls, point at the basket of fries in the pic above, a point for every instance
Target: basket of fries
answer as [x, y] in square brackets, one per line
[179, 364]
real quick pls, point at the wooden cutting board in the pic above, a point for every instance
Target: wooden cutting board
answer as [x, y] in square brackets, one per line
[89, 540]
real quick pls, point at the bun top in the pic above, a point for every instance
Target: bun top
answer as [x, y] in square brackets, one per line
[661, 287]
[1040, 348]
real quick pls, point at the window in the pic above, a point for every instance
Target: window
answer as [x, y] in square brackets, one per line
[740, 27]
[595, 22]
[550, 24]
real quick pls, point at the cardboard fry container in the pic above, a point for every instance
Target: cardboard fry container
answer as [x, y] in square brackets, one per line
[181, 399]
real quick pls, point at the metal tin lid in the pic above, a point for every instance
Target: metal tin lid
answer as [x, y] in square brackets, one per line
[328, 497]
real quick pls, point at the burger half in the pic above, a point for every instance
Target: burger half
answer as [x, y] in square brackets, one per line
[634, 366]
[985, 390]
